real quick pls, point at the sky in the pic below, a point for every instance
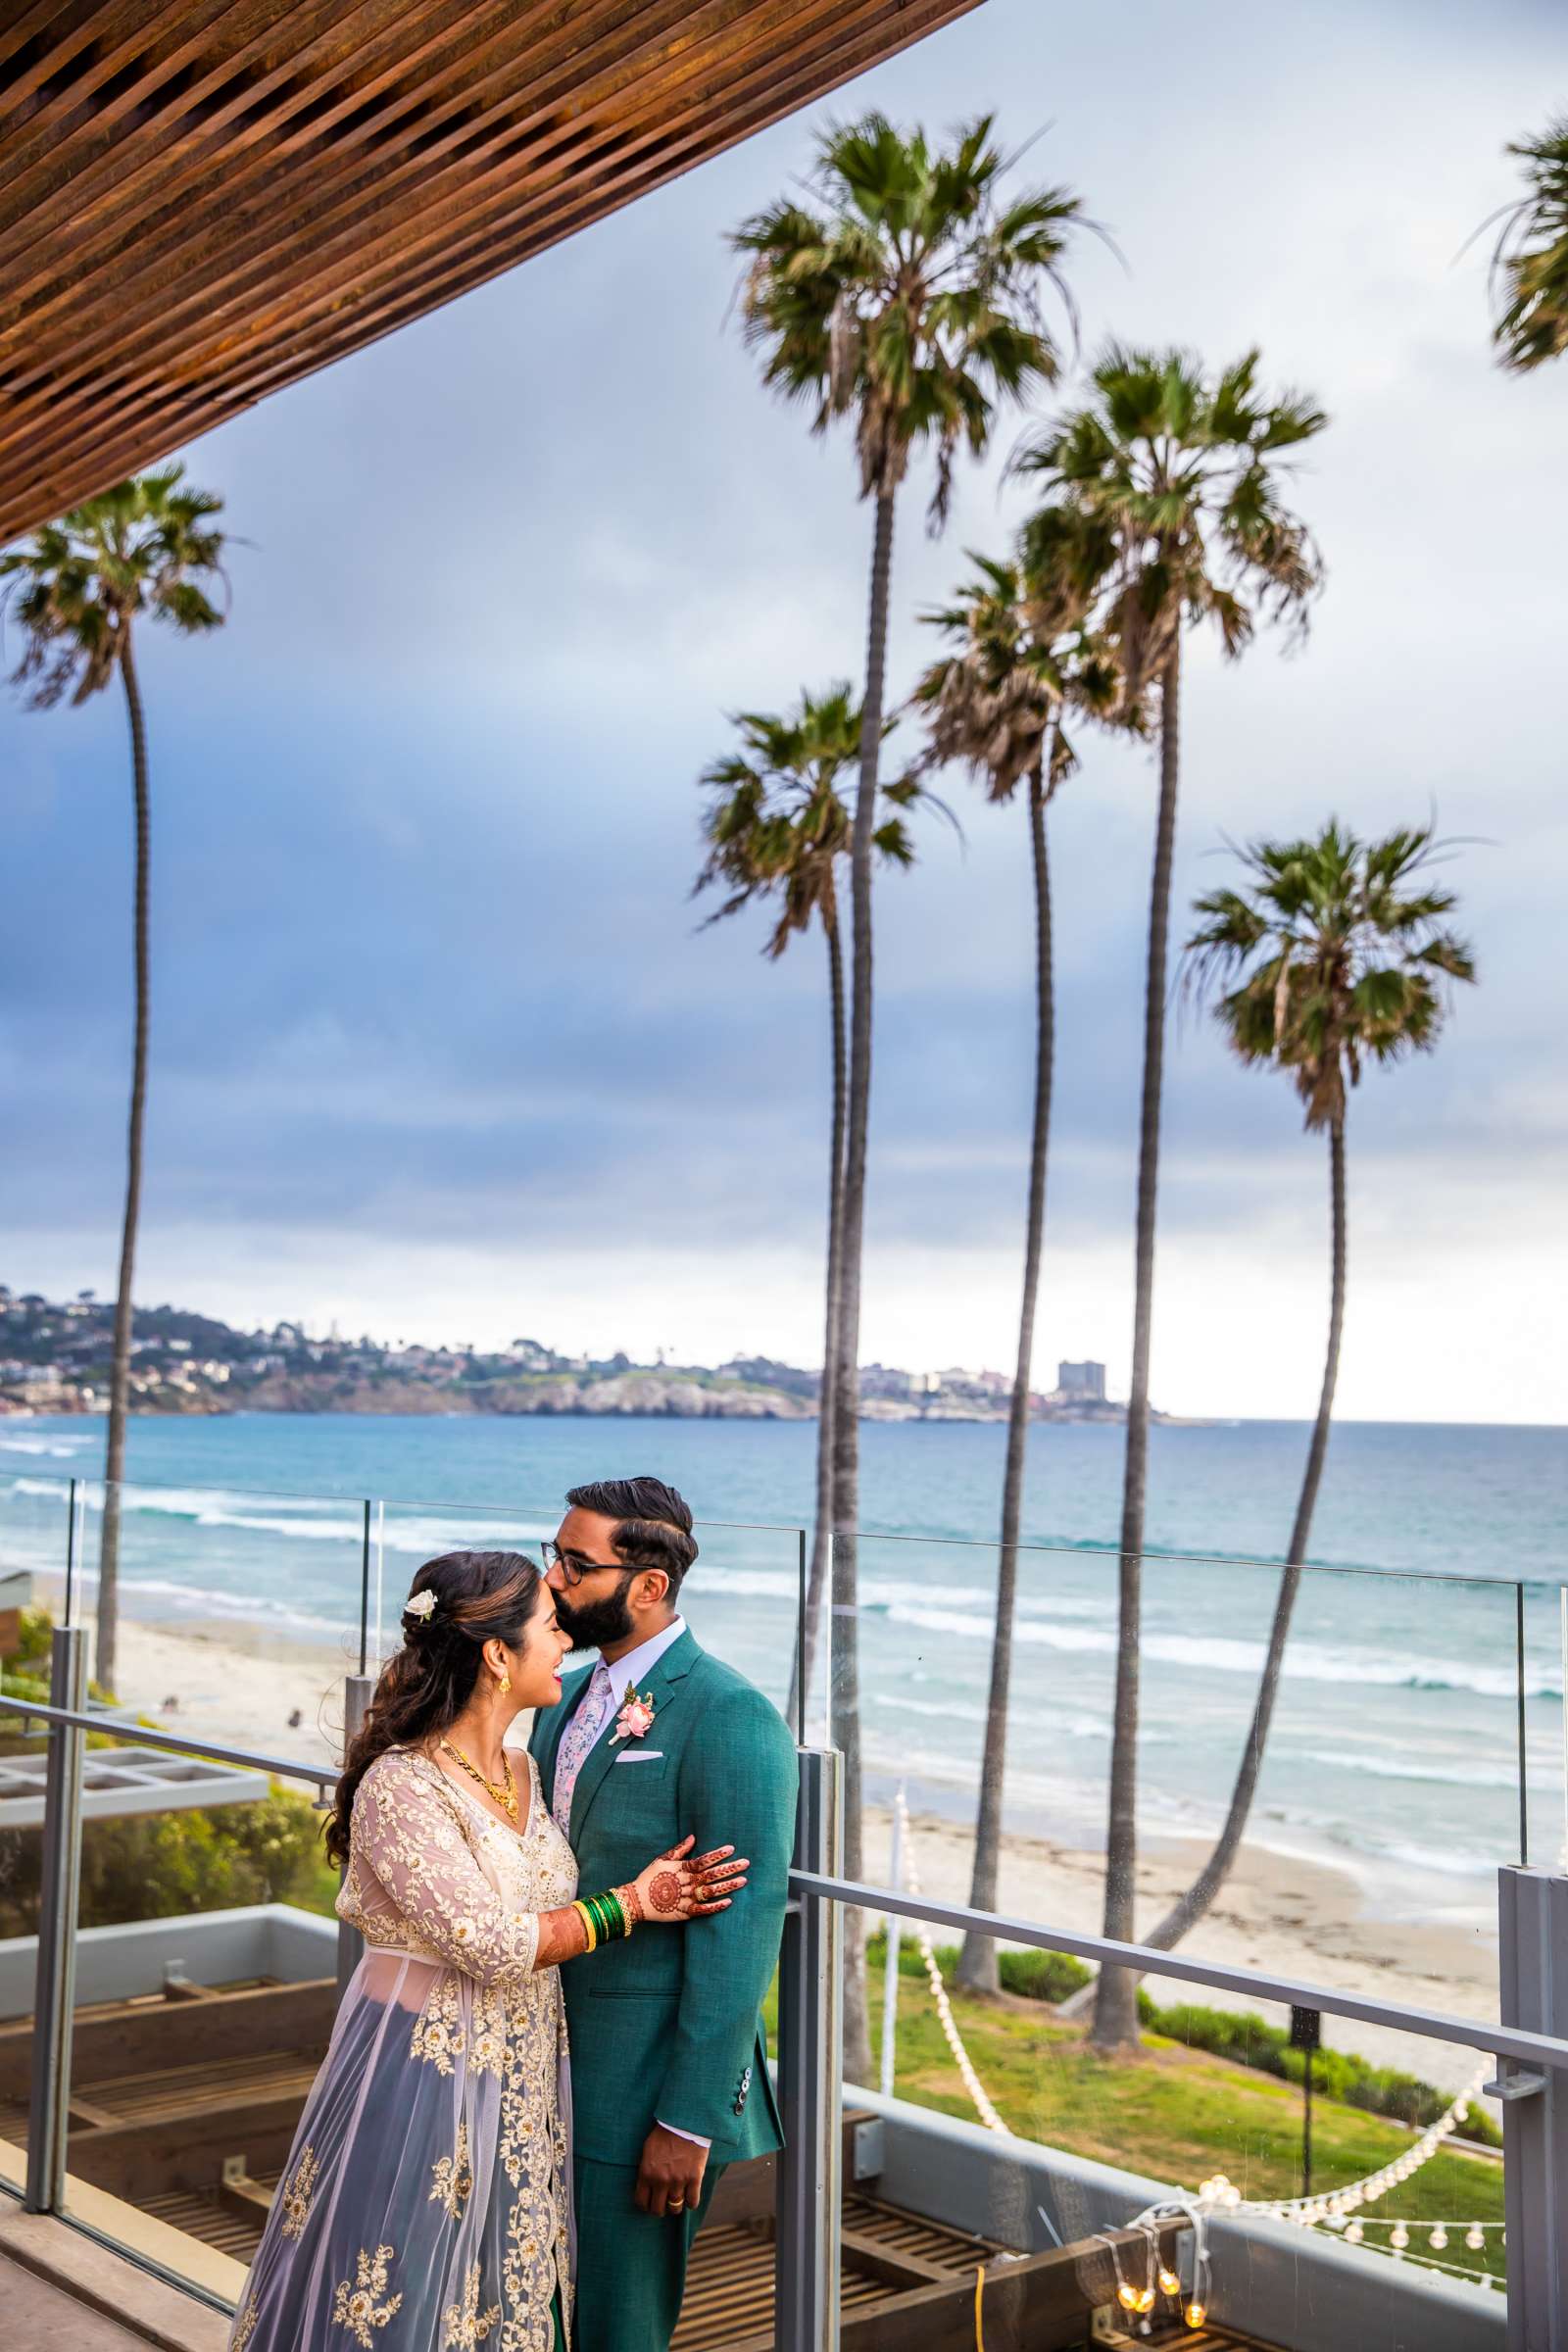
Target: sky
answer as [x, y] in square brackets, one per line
[440, 1050]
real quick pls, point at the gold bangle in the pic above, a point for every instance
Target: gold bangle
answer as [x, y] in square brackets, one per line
[587, 1918]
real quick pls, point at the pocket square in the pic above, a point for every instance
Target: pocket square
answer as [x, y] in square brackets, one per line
[642, 1755]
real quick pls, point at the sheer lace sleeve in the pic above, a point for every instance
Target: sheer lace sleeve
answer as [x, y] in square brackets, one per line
[406, 1835]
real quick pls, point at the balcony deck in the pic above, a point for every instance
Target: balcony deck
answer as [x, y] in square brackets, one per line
[183, 2106]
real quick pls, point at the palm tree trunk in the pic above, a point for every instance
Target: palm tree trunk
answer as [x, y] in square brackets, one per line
[120, 1368]
[1209, 1879]
[846, 1711]
[827, 1418]
[977, 1963]
[1115, 2024]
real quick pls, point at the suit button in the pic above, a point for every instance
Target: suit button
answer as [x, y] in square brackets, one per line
[740, 2106]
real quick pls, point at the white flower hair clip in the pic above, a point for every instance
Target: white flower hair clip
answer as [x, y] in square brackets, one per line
[421, 1606]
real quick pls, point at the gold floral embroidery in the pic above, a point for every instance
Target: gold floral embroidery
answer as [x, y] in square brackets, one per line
[295, 2195]
[356, 2307]
[454, 2177]
[245, 2325]
[469, 2325]
[439, 2033]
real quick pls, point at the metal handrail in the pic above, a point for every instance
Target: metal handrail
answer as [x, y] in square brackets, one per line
[136, 1735]
[1146, 1960]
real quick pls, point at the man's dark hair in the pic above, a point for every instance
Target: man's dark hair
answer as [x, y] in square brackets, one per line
[654, 1523]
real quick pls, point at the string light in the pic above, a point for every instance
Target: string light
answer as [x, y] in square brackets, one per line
[939, 1993]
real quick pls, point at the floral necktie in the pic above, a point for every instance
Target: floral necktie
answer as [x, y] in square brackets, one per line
[577, 1741]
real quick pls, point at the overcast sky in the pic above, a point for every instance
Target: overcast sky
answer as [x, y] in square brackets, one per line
[438, 1051]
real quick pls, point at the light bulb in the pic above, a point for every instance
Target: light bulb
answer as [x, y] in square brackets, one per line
[1475, 2237]
[1398, 2237]
[1196, 2314]
[1170, 2283]
[1127, 2296]
[1353, 2234]
[1438, 2239]
[1145, 2300]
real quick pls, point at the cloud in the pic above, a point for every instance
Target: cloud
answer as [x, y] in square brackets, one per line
[433, 1016]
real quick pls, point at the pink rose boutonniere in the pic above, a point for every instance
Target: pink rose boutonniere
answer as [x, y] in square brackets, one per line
[636, 1718]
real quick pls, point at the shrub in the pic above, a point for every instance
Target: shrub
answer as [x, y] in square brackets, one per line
[1245, 2038]
[1036, 1975]
[1042, 1976]
[165, 1865]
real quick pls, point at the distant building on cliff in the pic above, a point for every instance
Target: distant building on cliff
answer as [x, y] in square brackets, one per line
[1087, 1380]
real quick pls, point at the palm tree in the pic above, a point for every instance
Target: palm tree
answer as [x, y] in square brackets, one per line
[776, 826]
[904, 293]
[996, 705]
[143, 547]
[1181, 472]
[1530, 262]
[1336, 951]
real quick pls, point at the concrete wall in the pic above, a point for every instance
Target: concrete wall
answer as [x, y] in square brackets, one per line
[213, 1947]
[1290, 2286]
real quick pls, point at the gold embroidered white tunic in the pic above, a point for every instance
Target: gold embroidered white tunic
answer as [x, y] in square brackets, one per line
[426, 2201]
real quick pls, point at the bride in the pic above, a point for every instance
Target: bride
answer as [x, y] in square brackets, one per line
[427, 2190]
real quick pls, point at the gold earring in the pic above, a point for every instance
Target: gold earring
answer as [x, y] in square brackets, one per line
[503, 1684]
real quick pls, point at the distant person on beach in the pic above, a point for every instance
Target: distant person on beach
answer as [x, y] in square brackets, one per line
[653, 1740]
[428, 2191]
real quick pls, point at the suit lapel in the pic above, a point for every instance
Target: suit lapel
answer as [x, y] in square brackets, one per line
[663, 1680]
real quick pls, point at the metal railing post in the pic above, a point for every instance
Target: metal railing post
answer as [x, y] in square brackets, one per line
[356, 1691]
[59, 1894]
[1532, 1921]
[811, 2073]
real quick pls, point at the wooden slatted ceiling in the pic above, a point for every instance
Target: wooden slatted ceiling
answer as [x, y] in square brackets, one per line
[204, 200]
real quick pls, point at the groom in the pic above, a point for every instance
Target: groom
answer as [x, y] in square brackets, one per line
[668, 2074]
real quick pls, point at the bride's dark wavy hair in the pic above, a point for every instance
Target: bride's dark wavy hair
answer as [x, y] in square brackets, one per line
[479, 1597]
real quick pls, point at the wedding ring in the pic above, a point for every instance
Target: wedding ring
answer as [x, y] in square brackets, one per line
[677, 2204]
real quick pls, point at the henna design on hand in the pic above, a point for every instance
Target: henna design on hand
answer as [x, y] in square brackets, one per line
[664, 1890]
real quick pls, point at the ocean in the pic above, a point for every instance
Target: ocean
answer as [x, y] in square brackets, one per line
[1439, 1558]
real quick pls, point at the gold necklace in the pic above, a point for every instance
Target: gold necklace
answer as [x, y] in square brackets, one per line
[505, 1793]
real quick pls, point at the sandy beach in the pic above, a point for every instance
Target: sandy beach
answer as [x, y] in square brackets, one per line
[242, 1688]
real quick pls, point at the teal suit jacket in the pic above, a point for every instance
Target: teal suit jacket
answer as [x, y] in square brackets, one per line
[666, 2026]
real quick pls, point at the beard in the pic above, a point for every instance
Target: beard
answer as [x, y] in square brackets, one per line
[593, 1623]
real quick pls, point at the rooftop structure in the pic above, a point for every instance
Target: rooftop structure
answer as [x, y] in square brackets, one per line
[201, 206]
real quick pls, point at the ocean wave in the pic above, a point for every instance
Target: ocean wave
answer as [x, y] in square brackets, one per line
[239, 1608]
[1458, 1775]
[55, 1450]
[1225, 1654]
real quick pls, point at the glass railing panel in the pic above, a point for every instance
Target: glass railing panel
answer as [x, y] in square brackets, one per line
[22, 1772]
[206, 1987]
[1388, 1778]
[236, 1612]
[1008, 2120]
[1541, 1611]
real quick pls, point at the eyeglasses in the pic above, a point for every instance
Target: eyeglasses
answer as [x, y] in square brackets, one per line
[573, 1567]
